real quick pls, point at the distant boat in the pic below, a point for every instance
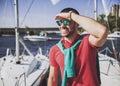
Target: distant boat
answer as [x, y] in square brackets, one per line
[114, 35]
[40, 37]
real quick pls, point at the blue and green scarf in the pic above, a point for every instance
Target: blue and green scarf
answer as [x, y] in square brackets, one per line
[69, 70]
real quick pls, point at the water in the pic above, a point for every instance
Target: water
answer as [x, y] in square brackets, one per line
[9, 42]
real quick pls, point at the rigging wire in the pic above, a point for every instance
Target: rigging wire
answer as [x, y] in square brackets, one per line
[88, 4]
[109, 3]
[12, 7]
[27, 12]
[11, 3]
[7, 6]
[4, 8]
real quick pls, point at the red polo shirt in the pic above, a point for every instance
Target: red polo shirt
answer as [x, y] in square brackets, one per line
[85, 62]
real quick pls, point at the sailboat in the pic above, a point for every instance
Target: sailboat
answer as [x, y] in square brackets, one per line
[22, 70]
[40, 37]
[109, 66]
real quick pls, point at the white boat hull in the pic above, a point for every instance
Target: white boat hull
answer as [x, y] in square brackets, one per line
[114, 36]
[36, 38]
[27, 73]
[109, 70]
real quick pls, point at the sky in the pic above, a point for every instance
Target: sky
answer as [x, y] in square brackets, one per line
[41, 13]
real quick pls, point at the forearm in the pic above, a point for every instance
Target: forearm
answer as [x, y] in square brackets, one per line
[51, 82]
[90, 25]
[52, 79]
[98, 32]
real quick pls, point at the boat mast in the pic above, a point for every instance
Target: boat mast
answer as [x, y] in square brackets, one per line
[16, 27]
[95, 9]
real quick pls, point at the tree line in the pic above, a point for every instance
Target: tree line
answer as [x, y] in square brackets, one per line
[112, 22]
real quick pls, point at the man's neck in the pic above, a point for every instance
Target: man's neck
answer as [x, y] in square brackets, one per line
[71, 38]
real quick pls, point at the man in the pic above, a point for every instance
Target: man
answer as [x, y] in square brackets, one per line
[75, 55]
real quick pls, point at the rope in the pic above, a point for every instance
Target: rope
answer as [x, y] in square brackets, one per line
[106, 49]
[27, 12]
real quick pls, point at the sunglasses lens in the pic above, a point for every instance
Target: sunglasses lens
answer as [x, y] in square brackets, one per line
[66, 22]
[59, 22]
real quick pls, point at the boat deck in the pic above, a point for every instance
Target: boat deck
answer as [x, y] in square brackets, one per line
[110, 71]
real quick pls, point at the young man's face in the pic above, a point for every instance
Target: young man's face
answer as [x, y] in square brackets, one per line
[66, 27]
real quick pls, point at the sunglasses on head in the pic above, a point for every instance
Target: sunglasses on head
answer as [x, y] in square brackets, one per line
[65, 22]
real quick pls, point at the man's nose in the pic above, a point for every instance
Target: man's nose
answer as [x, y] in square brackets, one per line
[62, 25]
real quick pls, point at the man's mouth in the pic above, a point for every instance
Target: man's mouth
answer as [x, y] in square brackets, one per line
[63, 30]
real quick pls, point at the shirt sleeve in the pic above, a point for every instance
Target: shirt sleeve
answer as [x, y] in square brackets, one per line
[97, 48]
[52, 56]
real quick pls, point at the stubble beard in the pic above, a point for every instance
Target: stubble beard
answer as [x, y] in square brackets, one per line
[69, 34]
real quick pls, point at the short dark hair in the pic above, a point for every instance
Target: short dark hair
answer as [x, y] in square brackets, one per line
[70, 9]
